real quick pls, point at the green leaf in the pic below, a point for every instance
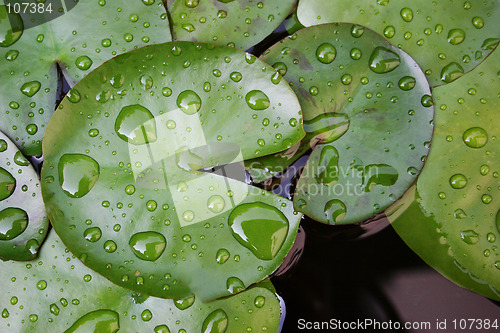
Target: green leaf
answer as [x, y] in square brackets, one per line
[77, 42]
[446, 38]
[59, 294]
[458, 188]
[23, 222]
[241, 23]
[132, 195]
[367, 113]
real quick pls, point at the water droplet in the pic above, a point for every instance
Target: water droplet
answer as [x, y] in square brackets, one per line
[110, 246]
[135, 124]
[451, 72]
[257, 100]
[11, 27]
[216, 322]
[92, 234]
[327, 170]
[96, 321]
[346, 79]
[148, 245]
[486, 198]
[73, 96]
[83, 63]
[469, 236]
[189, 102]
[459, 214]
[3, 145]
[41, 285]
[146, 315]
[216, 204]
[426, 101]
[456, 36]
[222, 256]
[327, 127]
[389, 31]
[259, 301]
[188, 27]
[325, 53]
[478, 22]
[407, 83]
[458, 181]
[13, 221]
[236, 76]
[30, 88]
[151, 205]
[484, 169]
[407, 14]
[184, 303]
[356, 53]
[497, 220]
[357, 31]
[5, 313]
[54, 309]
[77, 174]
[146, 82]
[335, 211]
[161, 329]
[20, 160]
[259, 227]
[475, 137]
[378, 174]
[234, 285]
[383, 60]
[7, 184]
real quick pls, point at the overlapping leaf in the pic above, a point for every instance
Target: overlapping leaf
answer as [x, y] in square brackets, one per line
[122, 180]
[446, 38]
[78, 42]
[367, 113]
[455, 205]
[241, 23]
[59, 294]
[23, 222]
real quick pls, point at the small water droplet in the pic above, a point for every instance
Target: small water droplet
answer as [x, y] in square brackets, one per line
[383, 60]
[92, 234]
[257, 100]
[148, 245]
[83, 63]
[325, 53]
[456, 36]
[475, 137]
[222, 256]
[184, 303]
[407, 14]
[469, 236]
[407, 83]
[234, 285]
[189, 102]
[216, 204]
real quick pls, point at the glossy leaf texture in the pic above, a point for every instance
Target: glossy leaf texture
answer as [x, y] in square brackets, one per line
[134, 176]
[23, 221]
[446, 38]
[77, 42]
[368, 115]
[241, 23]
[456, 203]
[57, 293]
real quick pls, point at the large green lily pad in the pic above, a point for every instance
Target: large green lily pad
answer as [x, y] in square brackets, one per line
[58, 293]
[77, 42]
[241, 23]
[457, 192]
[446, 38]
[367, 113]
[23, 222]
[121, 177]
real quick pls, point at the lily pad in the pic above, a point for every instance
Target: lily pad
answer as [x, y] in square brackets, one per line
[136, 184]
[77, 42]
[367, 113]
[457, 200]
[59, 294]
[23, 222]
[446, 38]
[241, 23]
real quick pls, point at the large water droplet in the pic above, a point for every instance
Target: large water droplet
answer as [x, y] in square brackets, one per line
[327, 171]
[379, 174]
[383, 60]
[216, 204]
[146, 82]
[216, 322]
[83, 62]
[259, 227]
[96, 321]
[11, 27]
[326, 53]
[407, 14]
[13, 221]
[78, 173]
[327, 127]
[7, 184]
[222, 256]
[189, 102]
[257, 100]
[135, 124]
[184, 303]
[475, 137]
[458, 181]
[148, 245]
[161, 329]
[30, 88]
[234, 285]
[335, 211]
[92, 234]
[407, 83]
[20, 160]
[451, 72]
[456, 36]
[469, 236]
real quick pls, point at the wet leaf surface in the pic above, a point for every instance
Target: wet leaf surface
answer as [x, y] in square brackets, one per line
[23, 222]
[133, 176]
